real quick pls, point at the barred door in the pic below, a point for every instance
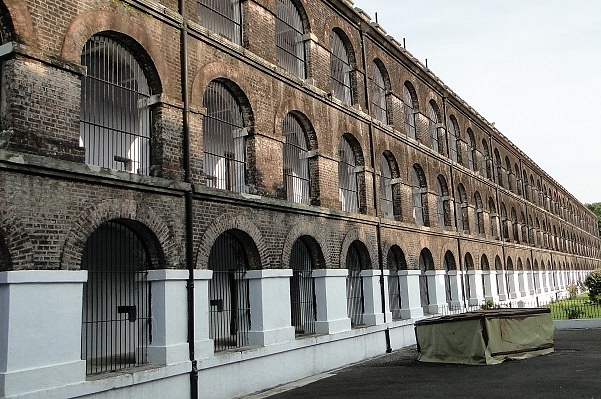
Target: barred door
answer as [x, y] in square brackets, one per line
[302, 290]
[116, 311]
[354, 288]
[394, 286]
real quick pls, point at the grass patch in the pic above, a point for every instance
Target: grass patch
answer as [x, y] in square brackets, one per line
[579, 307]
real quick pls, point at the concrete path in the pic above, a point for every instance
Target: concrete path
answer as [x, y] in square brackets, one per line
[572, 371]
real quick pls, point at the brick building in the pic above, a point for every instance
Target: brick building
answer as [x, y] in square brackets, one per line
[210, 198]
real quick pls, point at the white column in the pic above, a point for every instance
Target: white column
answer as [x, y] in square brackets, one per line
[513, 284]
[533, 289]
[455, 280]
[436, 290]
[490, 284]
[169, 302]
[270, 311]
[477, 295]
[372, 294]
[330, 295]
[410, 299]
[203, 345]
[502, 287]
[40, 330]
[522, 283]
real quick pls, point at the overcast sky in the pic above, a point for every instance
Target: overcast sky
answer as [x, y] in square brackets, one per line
[531, 66]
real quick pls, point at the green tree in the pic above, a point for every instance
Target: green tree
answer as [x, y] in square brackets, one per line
[593, 283]
[596, 208]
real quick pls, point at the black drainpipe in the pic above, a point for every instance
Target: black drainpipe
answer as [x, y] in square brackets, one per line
[188, 198]
[375, 198]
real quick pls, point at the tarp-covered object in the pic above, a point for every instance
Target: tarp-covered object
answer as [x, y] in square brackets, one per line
[486, 336]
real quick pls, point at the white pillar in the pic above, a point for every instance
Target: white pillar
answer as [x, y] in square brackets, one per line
[522, 282]
[203, 345]
[457, 294]
[502, 287]
[490, 285]
[372, 295]
[513, 284]
[436, 291]
[40, 330]
[476, 297]
[330, 295]
[169, 302]
[410, 299]
[270, 311]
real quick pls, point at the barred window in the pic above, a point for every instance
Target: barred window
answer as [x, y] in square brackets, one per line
[471, 151]
[419, 191]
[229, 314]
[116, 311]
[222, 17]
[355, 301]
[449, 264]
[340, 69]
[302, 290]
[395, 261]
[347, 175]
[453, 140]
[509, 173]
[378, 94]
[296, 162]
[463, 222]
[504, 222]
[386, 191]
[425, 263]
[115, 117]
[433, 127]
[485, 267]
[443, 203]
[224, 139]
[486, 161]
[409, 111]
[289, 30]
[479, 210]
[515, 227]
[494, 219]
[499, 168]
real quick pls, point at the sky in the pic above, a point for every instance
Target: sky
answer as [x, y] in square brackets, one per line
[533, 67]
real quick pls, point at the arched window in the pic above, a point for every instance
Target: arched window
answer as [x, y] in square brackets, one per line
[524, 228]
[443, 203]
[485, 267]
[499, 168]
[449, 264]
[469, 279]
[354, 285]
[222, 17]
[379, 107]
[471, 150]
[224, 139]
[479, 210]
[296, 162]
[510, 176]
[116, 309]
[347, 175]
[454, 140]
[494, 219]
[229, 314]
[433, 124]
[409, 109]
[425, 263]
[486, 161]
[463, 223]
[340, 69]
[504, 222]
[514, 222]
[419, 191]
[302, 290]
[289, 31]
[518, 179]
[115, 126]
[527, 187]
[396, 261]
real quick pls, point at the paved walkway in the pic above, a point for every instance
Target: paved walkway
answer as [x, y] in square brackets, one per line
[572, 371]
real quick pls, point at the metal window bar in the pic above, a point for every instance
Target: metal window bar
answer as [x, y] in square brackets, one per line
[453, 141]
[302, 290]
[296, 162]
[418, 204]
[115, 117]
[355, 301]
[424, 295]
[409, 111]
[116, 300]
[394, 286]
[379, 109]
[224, 140]
[229, 314]
[222, 17]
[340, 69]
[347, 174]
[433, 127]
[290, 48]
[386, 195]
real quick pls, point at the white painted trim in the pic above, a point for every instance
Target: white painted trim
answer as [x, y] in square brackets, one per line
[330, 273]
[203, 274]
[167, 274]
[43, 276]
[268, 273]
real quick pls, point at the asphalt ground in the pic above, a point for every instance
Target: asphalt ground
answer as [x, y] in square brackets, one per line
[573, 370]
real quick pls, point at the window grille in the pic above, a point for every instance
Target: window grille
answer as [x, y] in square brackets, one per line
[424, 295]
[394, 285]
[228, 294]
[347, 174]
[290, 48]
[486, 167]
[115, 117]
[386, 192]
[462, 210]
[116, 317]
[448, 265]
[222, 17]
[494, 231]
[471, 151]
[443, 203]
[302, 290]
[296, 162]
[479, 213]
[433, 127]
[224, 140]
[355, 301]
[340, 69]
[409, 111]
[379, 108]
[419, 195]
[453, 130]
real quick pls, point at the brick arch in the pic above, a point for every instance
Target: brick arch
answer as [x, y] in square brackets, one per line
[292, 105]
[245, 231]
[368, 257]
[14, 240]
[333, 25]
[85, 25]
[399, 254]
[151, 228]
[21, 23]
[315, 238]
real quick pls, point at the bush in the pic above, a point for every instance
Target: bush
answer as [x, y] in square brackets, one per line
[572, 291]
[489, 305]
[593, 283]
[574, 312]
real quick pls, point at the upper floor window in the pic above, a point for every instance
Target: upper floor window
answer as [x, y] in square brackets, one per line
[340, 69]
[409, 110]
[289, 31]
[347, 175]
[463, 222]
[419, 192]
[296, 162]
[379, 108]
[222, 17]
[224, 139]
[386, 194]
[499, 168]
[486, 161]
[479, 210]
[115, 114]
[471, 150]
[433, 123]
[443, 203]
[454, 148]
